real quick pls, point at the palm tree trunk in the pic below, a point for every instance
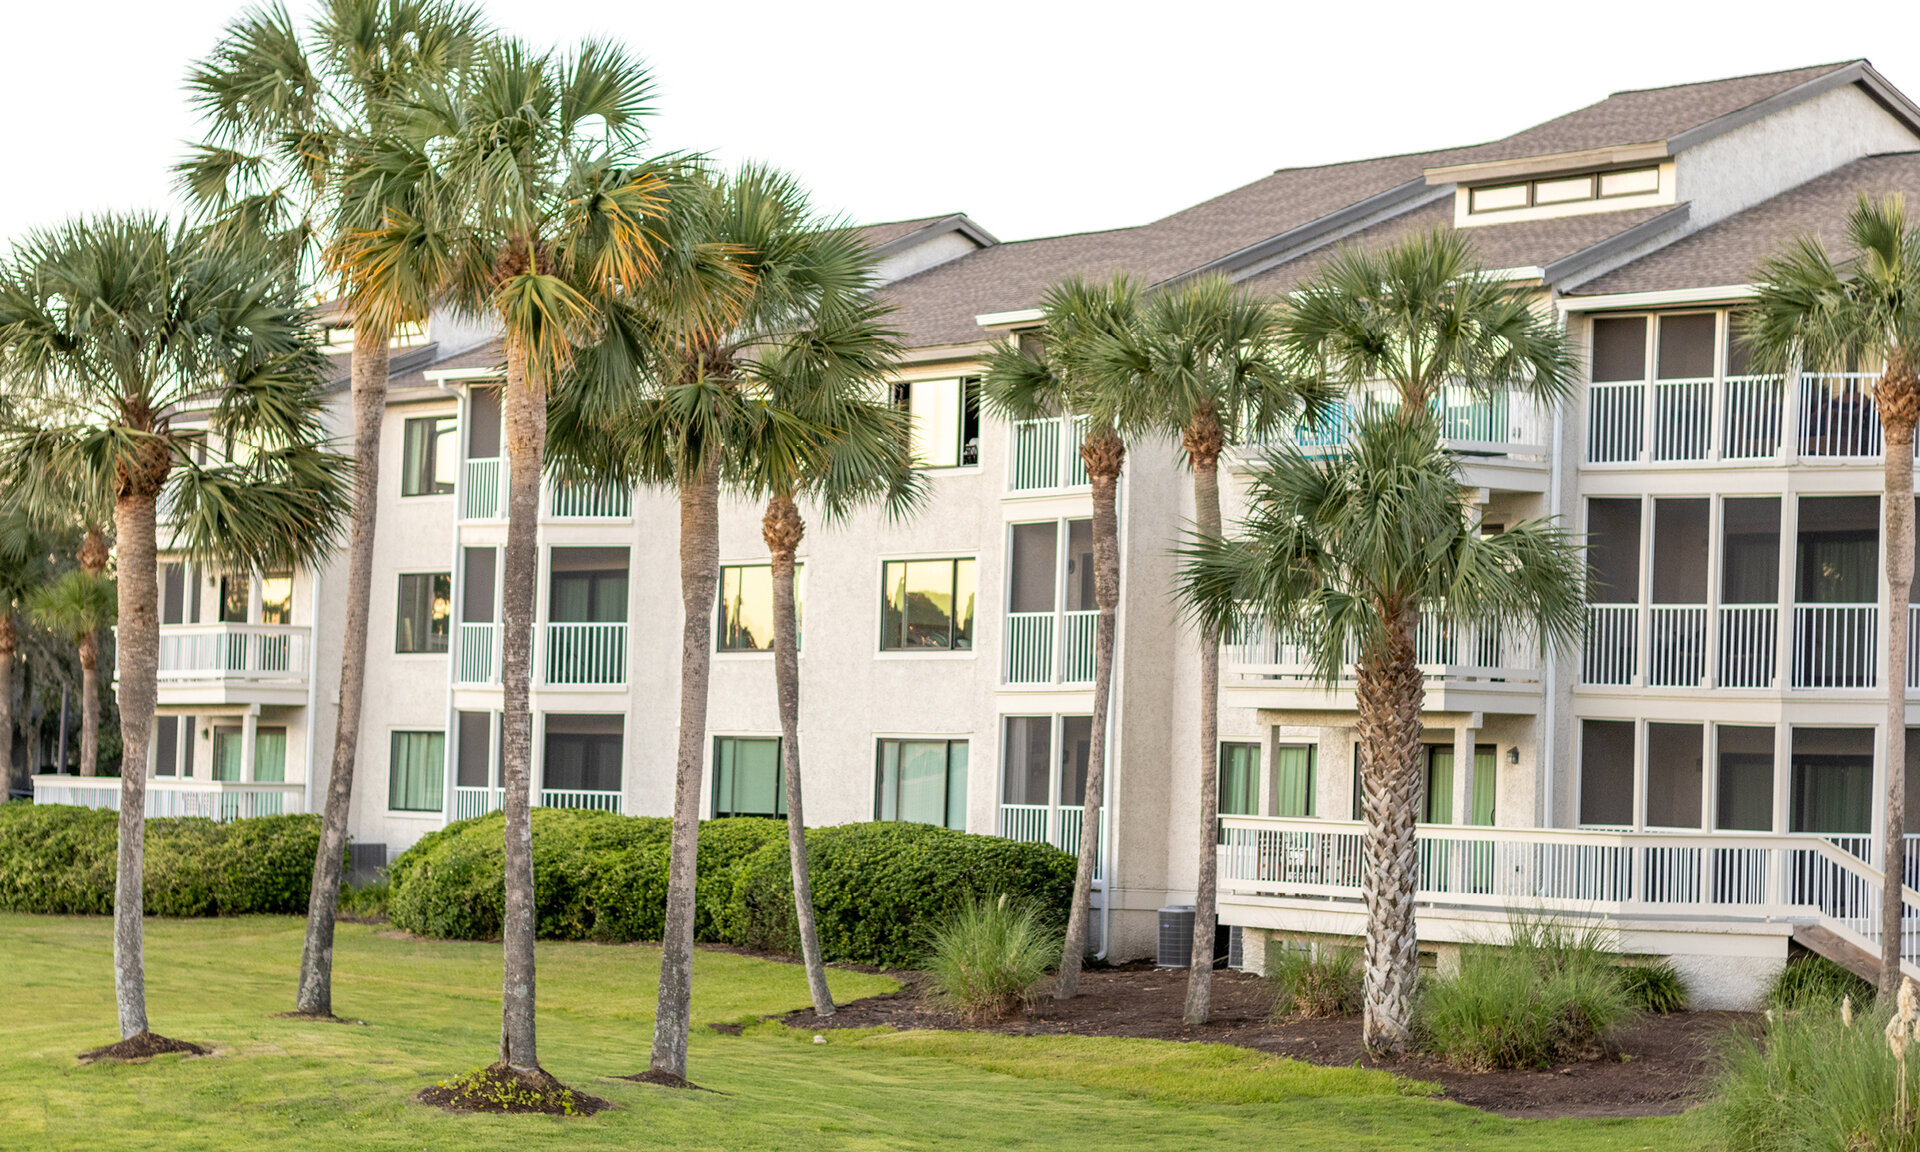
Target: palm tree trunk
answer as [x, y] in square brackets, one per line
[699, 564]
[524, 414]
[90, 705]
[1898, 396]
[1203, 440]
[9, 643]
[1387, 699]
[783, 530]
[1104, 454]
[139, 650]
[314, 996]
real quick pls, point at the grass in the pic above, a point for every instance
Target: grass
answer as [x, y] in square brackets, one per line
[433, 1013]
[1812, 1082]
[984, 959]
[1811, 981]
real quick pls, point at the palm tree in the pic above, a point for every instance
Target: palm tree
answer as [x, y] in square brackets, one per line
[116, 327]
[78, 605]
[1813, 312]
[1201, 364]
[552, 223]
[312, 137]
[1051, 377]
[1420, 317]
[23, 567]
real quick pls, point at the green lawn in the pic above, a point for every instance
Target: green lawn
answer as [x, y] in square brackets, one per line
[433, 1012]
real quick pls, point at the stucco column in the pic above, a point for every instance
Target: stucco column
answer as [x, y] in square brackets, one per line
[249, 728]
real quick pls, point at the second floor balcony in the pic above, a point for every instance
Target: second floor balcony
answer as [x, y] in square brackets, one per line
[1831, 646]
[1467, 666]
[483, 496]
[1735, 420]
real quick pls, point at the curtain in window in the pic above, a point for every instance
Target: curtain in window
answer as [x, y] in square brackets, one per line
[1439, 805]
[270, 755]
[924, 781]
[747, 778]
[1485, 779]
[1833, 794]
[1293, 774]
[1239, 779]
[226, 754]
[415, 770]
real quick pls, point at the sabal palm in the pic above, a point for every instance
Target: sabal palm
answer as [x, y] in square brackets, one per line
[116, 328]
[24, 566]
[550, 214]
[314, 136]
[1052, 378]
[1201, 364]
[77, 605]
[1815, 312]
[1419, 317]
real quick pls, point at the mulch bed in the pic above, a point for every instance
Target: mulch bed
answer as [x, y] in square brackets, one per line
[145, 1046]
[498, 1088]
[668, 1079]
[1660, 1065]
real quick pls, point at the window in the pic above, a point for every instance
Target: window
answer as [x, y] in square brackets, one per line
[173, 746]
[235, 598]
[477, 586]
[483, 419]
[1750, 556]
[583, 753]
[747, 780]
[1613, 550]
[1438, 782]
[227, 749]
[429, 456]
[179, 594]
[270, 755]
[1606, 772]
[589, 586]
[426, 605]
[945, 420]
[1076, 751]
[415, 771]
[1239, 779]
[746, 606]
[1027, 760]
[924, 781]
[1564, 190]
[927, 605]
[276, 598]
[1294, 771]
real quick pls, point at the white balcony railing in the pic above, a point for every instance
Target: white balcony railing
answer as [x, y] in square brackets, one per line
[1752, 417]
[1576, 872]
[1476, 424]
[1682, 419]
[1029, 647]
[589, 502]
[175, 796]
[1835, 645]
[1046, 824]
[1046, 454]
[486, 487]
[1446, 649]
[1612, 649]
[470, 801]
[1678, 636]
[252, 652]
[1616, 421]
[474, 662]
[1749, 636]
[586, 653]
[1076, 646]
[1744, 418]
[1837, 415]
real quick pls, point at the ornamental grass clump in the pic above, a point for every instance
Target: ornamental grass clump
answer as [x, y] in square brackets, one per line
[985, 958]
[1554, 993]
[1826, 1076]
[1322, 981]
[1811, 981]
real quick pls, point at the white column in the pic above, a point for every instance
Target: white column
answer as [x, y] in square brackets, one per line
[1463, 734]
[249, 727]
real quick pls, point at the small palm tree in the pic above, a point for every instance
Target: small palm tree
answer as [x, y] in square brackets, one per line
[1201, 364]
[1813, 312]
[312, 137]
[24, 566]
[1050, 376]
[1419, 317]
[111, 330]
[77, 605]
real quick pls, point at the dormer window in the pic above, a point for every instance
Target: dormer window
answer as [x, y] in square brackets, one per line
[1563, 190]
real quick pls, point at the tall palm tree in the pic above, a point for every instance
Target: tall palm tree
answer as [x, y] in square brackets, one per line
[313, 136]
[1417, 319]
[551, 216]
[1201, 363]
[1342, 553]
[117, 327]
[24, 566]
[1814, 312]
[1047, 377]
[77, 605]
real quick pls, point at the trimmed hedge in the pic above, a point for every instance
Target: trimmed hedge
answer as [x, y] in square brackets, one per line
[601, 876]
[59, 859]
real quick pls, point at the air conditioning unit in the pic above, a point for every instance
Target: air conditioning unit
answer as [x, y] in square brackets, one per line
[1176, 939]
[365, 862]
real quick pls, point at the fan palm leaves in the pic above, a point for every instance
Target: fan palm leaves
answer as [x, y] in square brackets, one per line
[77, 605]
[25, 564]
[1815, 312]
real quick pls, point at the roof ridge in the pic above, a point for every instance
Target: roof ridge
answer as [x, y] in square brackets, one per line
[1742, 76]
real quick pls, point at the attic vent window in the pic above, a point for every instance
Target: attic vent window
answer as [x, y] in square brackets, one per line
[1563, 190]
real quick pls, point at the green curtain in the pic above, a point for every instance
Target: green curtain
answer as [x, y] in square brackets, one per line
[270, 755]
[1293, 779]
[747, 781]
[1439, 805]
[415, 771]
[1485, 779]
[1833, 794]
[226, 754]
[1239, 779]
[957, 785]
[923, 781]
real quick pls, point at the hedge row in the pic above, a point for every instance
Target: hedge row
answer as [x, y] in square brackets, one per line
[599, 876]
[55, 858]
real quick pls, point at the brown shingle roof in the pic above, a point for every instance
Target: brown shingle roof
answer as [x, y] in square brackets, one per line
[1726, 253]
[877, 234]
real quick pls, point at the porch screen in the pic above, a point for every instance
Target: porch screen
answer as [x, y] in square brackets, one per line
[414, 770]
[1745, 778]
[583, 752]
[1832, 783]
[1674, 775]
[1293, 776]
[1606, 772]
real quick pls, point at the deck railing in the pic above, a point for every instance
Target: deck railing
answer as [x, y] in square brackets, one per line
[1076, 646]
[1678, 637]
[176, 796]
[207, 652]
[474, 662]
[470, 801]
[589, 502]
[1578, 872]
[1447, 649]
[1046, 454]
[1029, 647]
[1743, 418]
[1046, 824]
[588, 798]
[1835, 645]
[1749, 636]
[586, 653]
[1472, 423]
[485, 494]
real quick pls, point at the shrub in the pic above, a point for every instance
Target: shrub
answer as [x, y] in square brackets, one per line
[1810, 981]
[1653, 986]
[984, 958]
[1812, 1082]
[875, 885]
[596, 875]
[365, 901]
[1321, 981]
[55, 858]
[1551, 994]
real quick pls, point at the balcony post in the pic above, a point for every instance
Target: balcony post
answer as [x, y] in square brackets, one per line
[1790, 414]
[249, 728]
[1785, 658]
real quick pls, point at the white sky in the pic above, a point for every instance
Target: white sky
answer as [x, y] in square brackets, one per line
[1035, 117]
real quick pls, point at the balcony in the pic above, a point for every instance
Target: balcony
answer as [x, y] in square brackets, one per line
[1033, 654]
[484, 496]
[469, 802]
[1058, 826]
[1501, 424]
[1834, 646]
[233, 663]
[589, 502]
[1734, 420]
[1046, 454]
[477, 656]
[586, 654]
[1467, 667]
[175, 796]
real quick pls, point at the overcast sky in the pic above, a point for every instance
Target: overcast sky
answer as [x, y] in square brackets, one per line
[1035, 117]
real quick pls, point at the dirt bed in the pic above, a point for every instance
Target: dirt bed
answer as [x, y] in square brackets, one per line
[1668, 1061]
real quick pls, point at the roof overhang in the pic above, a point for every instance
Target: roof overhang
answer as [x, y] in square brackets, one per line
[958, 222]
[1661, 298]
[1597, 257]
[1011, 319]
[448, 376]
